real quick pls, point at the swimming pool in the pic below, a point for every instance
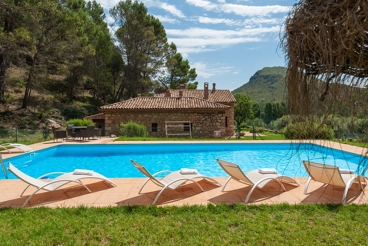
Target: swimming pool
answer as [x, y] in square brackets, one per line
[113, 160]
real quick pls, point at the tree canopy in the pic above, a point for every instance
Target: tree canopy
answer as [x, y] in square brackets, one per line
[66, 50]
[178, 71]
[142, 43]
[243, 108]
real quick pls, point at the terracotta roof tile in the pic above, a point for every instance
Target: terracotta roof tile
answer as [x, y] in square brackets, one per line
[221, 96]
[164, 103]
[95, 116]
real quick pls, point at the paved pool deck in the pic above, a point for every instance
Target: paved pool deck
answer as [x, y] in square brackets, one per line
[126, 190]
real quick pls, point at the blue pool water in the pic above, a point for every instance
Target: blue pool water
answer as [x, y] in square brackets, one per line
[113, 160]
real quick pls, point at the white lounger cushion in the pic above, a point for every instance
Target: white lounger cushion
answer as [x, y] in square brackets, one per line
[346, 171]
[188, 171]
[83, 172]
[267, 170]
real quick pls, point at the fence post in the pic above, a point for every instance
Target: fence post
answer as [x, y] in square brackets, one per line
[16, 135]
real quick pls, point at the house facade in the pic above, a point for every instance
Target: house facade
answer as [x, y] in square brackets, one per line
[194, 113]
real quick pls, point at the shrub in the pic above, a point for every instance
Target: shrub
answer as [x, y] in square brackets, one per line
[132, 129]
[307, 130]
[244, 125]
[80, 122]
[256, 122]
[74, 112]
[258, 129]
[280, 123]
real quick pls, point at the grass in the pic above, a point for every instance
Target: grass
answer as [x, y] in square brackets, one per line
[122, 138]
[267, 136]
[354, 143]
[237, 224]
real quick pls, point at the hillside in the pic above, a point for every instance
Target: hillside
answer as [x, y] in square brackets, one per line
[267, 85]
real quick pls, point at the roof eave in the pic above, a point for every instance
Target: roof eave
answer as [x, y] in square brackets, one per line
[162, 109]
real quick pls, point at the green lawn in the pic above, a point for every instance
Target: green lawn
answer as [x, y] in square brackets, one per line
[264, 136]
[189, 225]
[354, 143]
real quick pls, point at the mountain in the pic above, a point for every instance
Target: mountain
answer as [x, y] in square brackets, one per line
[267, 85]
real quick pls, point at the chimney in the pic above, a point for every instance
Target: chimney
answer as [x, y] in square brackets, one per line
[167, 93]
[213, 87]
[183, 86]
[205, 94]
[180, 94]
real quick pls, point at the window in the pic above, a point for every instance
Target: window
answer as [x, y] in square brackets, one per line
[225, 121]
[186, 127]
[154, 127]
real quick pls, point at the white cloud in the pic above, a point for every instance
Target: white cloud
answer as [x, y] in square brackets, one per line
[107, 4]
[185, 51]
[212, 33]
[207, 20]
[166, 19]
[251, 22]
[202, 42]
[207, 71]
[173, 10]
[263, 21]
[167, 7]
[238, 9]
[197, 40]
[203, 4]
[243, 10]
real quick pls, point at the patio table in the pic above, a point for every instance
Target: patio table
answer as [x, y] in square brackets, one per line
[77, 131]
[79, 127]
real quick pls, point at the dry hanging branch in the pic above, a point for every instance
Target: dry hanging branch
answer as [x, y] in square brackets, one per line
[326, 43]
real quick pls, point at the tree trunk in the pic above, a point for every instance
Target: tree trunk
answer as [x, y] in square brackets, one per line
[119, 92]
[73, 79]
[114, 82]
[29, 85]
[4, 64]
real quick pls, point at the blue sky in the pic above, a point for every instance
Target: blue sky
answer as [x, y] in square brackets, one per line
[227, 41]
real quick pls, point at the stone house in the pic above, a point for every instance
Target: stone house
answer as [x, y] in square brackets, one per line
[182, 113]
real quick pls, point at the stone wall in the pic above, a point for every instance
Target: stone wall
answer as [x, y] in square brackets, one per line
[204, 122]
[230, 119]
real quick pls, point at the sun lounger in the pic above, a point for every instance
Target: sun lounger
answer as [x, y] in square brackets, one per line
[332, 175]
[22, 147]
[256, 178]
[172, 180]
[42, 184]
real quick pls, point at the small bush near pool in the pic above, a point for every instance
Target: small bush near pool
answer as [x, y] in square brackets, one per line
[80, 122]
[307, 130]
[132, 129]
